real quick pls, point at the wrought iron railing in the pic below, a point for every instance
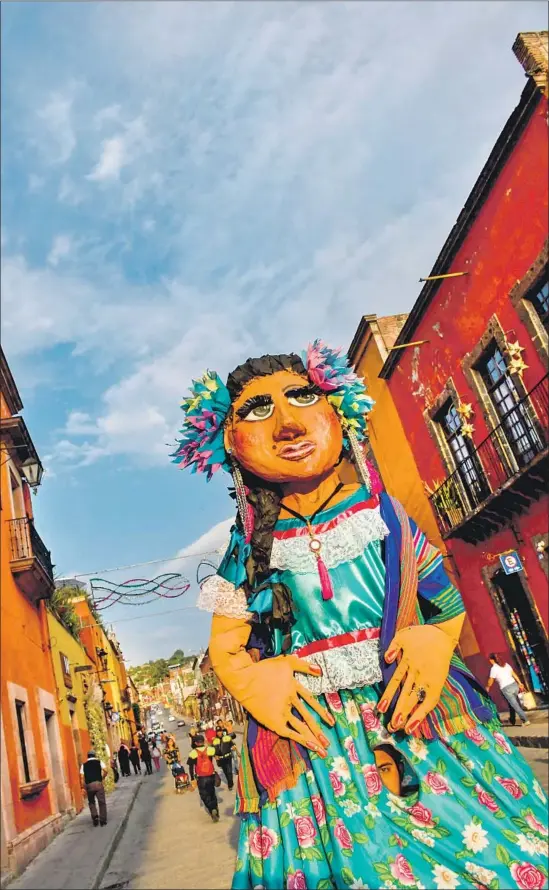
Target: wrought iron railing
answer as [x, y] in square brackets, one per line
[511, 446]
[26, 543]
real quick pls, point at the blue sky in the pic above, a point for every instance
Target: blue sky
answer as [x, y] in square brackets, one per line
[188, 184]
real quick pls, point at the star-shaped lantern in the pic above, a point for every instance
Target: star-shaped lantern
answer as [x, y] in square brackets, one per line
[467, 429]
[515, 349]
[517, 365]
[465, 409]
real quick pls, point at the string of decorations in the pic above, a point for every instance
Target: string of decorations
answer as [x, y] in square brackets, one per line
[132, 592]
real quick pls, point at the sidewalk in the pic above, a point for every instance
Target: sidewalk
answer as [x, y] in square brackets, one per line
[534, 736]
[71, 862]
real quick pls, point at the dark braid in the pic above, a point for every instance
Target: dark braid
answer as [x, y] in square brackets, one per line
[265, 498]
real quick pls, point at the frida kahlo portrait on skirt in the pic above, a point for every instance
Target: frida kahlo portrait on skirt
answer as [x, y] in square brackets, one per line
[371, 756]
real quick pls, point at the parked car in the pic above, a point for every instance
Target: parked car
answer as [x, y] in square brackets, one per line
[171, 718]
[181, 723]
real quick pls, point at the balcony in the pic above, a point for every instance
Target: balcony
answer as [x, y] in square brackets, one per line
[30, 560]
[502, 476]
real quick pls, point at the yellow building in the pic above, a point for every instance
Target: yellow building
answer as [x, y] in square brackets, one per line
[390, 447]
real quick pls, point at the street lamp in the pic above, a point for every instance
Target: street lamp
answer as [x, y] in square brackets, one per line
[33, 472]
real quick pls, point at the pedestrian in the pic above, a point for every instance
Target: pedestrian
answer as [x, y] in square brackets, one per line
[171, 753]
[509, 685]
[92, 773]
[124, 759]
[224, 746]
[192, 735]
[203, 775]
[156, 756]
[210, 733]
[134, 757]
[146, 755]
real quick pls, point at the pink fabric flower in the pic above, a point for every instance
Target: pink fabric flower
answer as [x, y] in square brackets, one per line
[400, 869]
[369, 718]
[486, 799]
[501, 740]
[305, 830]
[319, 809]
[437, 783]
[343, 835]
[475, 735]
[510, 785]
[337, 784]
[262, 840]
[351, 750]
[535, 825]
[371, 777]
[421, 815]
[297, 881]
[334, 702]
[527, 876]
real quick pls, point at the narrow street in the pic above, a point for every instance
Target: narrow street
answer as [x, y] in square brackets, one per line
[170, 841]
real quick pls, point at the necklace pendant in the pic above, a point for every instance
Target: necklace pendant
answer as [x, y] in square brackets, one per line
[326, 588]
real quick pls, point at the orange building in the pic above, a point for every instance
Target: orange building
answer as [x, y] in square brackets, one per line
[37, 798]
[391, 450]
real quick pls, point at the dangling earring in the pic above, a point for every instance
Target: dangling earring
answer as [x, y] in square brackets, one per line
[244, 509]
[358, 457]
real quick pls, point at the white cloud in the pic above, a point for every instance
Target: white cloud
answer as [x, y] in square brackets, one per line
[211, 541]
[113, 158]
[61, 248]
[56, 117]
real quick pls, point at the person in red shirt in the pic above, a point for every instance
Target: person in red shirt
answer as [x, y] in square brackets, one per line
[203, 775]
[210, 734]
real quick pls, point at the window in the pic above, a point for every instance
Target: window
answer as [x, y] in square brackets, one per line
[512, 411]
[465, 458]
[20, 709]
[539, 298]
[66, 668]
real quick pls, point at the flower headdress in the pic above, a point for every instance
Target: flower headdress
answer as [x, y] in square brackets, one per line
[206, 409]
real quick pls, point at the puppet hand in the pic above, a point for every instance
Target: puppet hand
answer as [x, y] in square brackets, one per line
[423, 653]
[272, 695]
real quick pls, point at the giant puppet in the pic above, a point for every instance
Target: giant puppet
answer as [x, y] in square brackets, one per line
[371, 755]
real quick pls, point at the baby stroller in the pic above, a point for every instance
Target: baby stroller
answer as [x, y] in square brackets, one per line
[181, 778]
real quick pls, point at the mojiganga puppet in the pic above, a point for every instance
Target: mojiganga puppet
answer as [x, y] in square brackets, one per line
[371, 755]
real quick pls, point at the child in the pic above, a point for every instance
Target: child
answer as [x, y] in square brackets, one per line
[203, 774]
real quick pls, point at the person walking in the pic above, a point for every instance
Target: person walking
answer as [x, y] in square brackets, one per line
[224, 747]
[92, 773]
[124, 759]
[171, 753]
[146, 755]
[134, 757]
[509, 685]
[156, 756]
[210, 733]
[203, 775]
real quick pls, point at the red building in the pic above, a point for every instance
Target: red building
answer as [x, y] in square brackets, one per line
[473, 396]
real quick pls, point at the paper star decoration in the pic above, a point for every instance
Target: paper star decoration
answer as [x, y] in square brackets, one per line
[465, 409]
[467, 429]
[517, 365]
[515, 349]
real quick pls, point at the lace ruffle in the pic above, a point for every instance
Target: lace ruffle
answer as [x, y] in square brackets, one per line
[347, 667]
[223, 598]
[340, 544]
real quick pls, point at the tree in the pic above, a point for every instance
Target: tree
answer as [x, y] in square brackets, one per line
[177, 656]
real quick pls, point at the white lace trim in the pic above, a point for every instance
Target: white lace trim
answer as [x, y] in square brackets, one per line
[347, 667]
[223, 598]
[342, 543]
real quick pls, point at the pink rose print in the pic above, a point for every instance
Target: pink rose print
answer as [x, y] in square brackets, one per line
[535, 825]
[527, 876]
[501, 740]
[319, 809]
[486, 799]
[262, 841]
[475, 735]
[351, 750]
[337, 784]
[297, 881]
[437, 783]
[373, 782]
[343, 835]
[305, 830]
[510, 785]
[421, 815]
[400, 869]
[334, 702]
[369, 718]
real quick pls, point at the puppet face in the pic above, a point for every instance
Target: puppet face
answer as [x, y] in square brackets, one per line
[388, 770]
[282, 430]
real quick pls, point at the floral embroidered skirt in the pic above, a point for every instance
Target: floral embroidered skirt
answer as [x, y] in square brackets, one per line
[476, 816]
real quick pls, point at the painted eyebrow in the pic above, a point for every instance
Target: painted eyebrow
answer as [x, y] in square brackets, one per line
[254, 402]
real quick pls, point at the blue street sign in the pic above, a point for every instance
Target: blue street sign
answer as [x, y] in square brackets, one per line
[510, 562]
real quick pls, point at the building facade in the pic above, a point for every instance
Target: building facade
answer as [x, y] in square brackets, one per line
[36, 796]
[472, 394]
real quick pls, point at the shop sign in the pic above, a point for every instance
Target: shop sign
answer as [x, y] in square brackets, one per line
[510, 562]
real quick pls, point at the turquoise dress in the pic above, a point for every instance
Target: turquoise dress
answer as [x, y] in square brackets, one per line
[470, 812]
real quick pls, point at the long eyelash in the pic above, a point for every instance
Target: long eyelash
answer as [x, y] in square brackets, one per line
[310, 389]
[253, 402]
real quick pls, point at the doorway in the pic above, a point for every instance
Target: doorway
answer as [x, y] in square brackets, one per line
[55, 760]
[524, 631]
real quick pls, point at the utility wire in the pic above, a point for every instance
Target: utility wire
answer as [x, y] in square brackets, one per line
[135, 565]
[138, 617]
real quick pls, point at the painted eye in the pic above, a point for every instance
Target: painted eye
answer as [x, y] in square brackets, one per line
[303, 399]
[260, 412]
